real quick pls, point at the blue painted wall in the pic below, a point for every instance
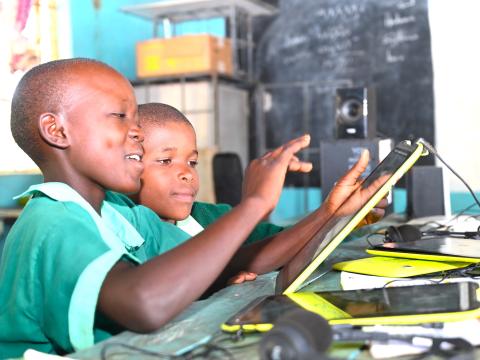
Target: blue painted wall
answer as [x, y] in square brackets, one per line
[109, 35]
[295, 203]
[106, 34]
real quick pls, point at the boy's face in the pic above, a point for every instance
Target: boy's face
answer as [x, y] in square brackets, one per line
[105, 140]
[170, 180]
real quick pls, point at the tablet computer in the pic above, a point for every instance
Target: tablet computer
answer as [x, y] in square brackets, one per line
[302, 266]
[406, 305]
[397, 267]
[437, 248]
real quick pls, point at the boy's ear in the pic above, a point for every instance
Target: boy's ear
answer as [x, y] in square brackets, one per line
[52, 130]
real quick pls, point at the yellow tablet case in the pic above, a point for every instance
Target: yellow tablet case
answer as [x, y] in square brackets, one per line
[316, 303]
[420, 256]
[396, 267]
[359, 216]
[330, 312]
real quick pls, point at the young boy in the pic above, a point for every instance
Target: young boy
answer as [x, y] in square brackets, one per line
[170, 183]
[81, 263]
[170, 136]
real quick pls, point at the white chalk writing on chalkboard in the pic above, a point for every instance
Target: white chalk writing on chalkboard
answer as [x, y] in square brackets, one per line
[397, 19]
[406, 4]
[341, 11]
[398, 37]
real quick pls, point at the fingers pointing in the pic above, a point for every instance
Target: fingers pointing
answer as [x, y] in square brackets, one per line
[300, 166]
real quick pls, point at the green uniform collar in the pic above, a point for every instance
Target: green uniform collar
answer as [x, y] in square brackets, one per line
[126, 233]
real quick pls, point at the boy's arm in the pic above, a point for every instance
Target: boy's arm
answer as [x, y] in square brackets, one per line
[277, 250]
[143, 298]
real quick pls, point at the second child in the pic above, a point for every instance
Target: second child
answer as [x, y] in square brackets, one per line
[170, 183]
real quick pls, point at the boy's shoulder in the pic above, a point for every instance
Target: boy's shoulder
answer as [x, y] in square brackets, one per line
[47, 228]
[137, 215]
[44, 215]
[199, 206]
[159, 236]
[119, 199]
[49, 210]
[206, 213]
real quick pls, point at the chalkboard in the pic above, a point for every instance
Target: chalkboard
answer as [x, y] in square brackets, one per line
[313, 47]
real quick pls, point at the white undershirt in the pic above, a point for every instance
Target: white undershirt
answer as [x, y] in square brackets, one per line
[190, 226]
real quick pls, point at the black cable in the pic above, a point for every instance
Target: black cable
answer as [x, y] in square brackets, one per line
[207, 351]
[107, 346]
[370, 235]
[202, 351]
[466, 209]
[433, 151]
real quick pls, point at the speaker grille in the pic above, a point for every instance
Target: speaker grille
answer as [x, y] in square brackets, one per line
[355, 113]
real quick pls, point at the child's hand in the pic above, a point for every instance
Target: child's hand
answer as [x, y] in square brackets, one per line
[350, 182]
[241, 277]
[375, 214]
[265, 176]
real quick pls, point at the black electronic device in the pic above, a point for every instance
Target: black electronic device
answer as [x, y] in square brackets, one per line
[355, 116]
[297, 335]
[227, 178]
[438, 248]
[426, 194]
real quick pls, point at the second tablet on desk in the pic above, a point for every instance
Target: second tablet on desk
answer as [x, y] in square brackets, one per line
[397, 267]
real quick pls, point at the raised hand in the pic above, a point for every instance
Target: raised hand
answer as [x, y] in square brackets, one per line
[348, 185]
[265, 176]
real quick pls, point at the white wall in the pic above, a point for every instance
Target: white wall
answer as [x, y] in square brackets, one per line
[13, 156]
[455, 31]
[14, 159]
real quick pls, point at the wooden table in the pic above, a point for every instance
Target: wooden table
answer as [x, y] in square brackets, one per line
[202, 320]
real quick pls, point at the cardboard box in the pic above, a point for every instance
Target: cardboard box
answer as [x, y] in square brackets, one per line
[184, 55]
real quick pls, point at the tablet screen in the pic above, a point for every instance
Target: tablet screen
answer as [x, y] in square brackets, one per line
[369, 303]
[437, 246]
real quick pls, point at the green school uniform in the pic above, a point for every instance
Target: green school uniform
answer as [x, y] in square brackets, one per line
[55, 260]
[205, 214]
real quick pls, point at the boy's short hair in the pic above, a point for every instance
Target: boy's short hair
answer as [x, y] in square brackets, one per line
[42, 89]
[158, 114]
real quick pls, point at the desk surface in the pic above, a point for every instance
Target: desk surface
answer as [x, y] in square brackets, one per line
[203, 318]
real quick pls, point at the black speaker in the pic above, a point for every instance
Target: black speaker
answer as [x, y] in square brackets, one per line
[336, 157]
[356, 113]
[297, 335]
[426, 194]
[227, 178]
